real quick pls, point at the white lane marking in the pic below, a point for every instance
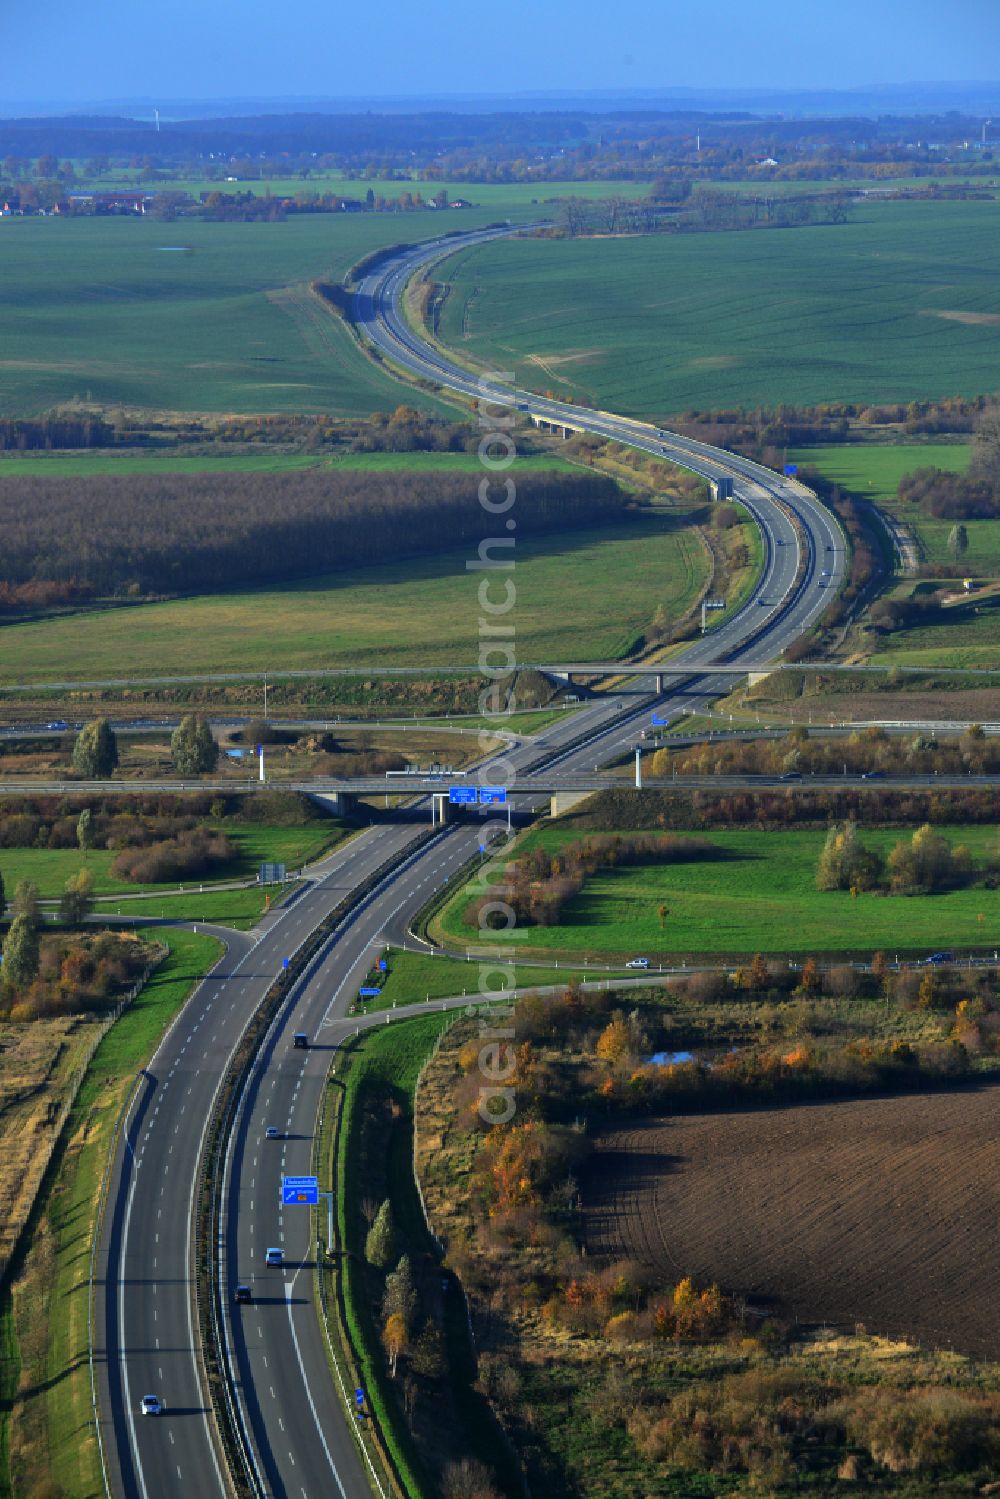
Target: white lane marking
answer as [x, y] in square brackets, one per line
[289, 1288]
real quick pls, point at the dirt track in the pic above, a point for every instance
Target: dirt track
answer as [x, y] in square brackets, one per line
[881, 1211]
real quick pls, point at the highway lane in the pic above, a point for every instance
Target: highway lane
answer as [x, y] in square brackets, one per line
[144, 1307]
[285, 1350]
[144, 1300]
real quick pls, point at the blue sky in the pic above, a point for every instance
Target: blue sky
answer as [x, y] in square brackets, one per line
[192, 49]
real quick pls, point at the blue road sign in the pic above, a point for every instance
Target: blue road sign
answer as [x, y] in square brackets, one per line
[359, 1397]
[492, 795]
[369, 993]
[462, 796]
[660, 722]
[791, 469]
[300, 1190]
[382, 965]
[284, 962]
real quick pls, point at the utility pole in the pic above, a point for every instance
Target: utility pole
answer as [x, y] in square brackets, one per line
[638, 768]
[265, 697]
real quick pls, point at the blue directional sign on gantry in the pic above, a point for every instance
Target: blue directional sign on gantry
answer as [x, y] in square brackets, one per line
[300, 1190]
[462, 796]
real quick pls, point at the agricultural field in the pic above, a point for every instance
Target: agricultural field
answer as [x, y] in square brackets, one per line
[482, 195]
[899, 303]
[190, 316]
[757, 893]
[79, 464]
[814, 1232]
[422, 611]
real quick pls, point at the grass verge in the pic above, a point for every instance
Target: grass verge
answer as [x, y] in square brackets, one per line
[52, 1436]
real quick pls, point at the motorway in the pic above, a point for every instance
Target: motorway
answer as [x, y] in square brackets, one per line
[300, 1433]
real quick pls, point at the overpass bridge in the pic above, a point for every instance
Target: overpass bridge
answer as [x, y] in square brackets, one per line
[567, 671]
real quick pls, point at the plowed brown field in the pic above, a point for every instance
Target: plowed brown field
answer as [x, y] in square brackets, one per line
[881, 1211]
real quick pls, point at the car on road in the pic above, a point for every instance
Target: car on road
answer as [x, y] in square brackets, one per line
[791, 775]
[243, 1295]
[637, 963]
[274, 1257]
[151, 1405]
[873, 775]
[272, 1132]
[939, 957]
[57, 723]
[301, 1041]
[825, 573]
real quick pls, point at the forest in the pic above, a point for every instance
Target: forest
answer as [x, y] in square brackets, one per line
[138, 536]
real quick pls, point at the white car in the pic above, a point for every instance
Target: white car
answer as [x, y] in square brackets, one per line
[271, 1133]
[151, 1405]
[274, 1257]
[637, 963]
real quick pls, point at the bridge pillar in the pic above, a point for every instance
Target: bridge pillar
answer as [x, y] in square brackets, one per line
[659, 681]
[562, 802]
[753, 677]
[340, 803]
[440, 809]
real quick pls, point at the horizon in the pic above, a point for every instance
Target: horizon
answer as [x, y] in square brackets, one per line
[242, 49]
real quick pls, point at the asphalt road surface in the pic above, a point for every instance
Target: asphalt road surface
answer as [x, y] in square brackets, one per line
[300, 1431]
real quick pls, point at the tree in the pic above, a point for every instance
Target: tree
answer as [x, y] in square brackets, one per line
[427, 1357]
[613, 1042]
[192, 747]
[85, 830]
[76, 901]
[958, 542]
[95, 753]
[809, 977]
[45, 167]
[26, 901]
[380, 1245]
[664, 912]
[401, 1297]
[20, 953]
[394, 1340]
[845, 862]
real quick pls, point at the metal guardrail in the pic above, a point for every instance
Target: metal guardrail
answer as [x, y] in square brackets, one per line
[234, 1439]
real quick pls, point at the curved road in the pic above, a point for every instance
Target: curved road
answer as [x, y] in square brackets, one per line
[300, 1432]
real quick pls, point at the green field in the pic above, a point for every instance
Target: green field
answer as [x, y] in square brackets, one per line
[861, 311]
[482, 195]
[49, 1299]
[758, 895]
[414, 978]
[423, 611]
[873, 471]
[102, 461]
[190, 316]
[256, 844]
[964, 638]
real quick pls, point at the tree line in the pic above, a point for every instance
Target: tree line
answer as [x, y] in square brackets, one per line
[140, 535]
[818, 754]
